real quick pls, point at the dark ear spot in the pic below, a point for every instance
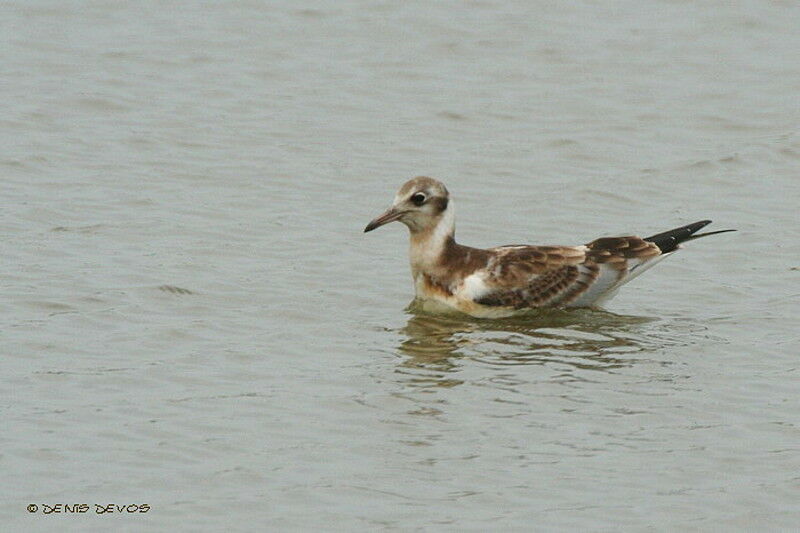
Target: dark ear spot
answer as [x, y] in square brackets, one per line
[439, 204]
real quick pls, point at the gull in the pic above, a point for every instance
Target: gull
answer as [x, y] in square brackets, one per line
[513, 279]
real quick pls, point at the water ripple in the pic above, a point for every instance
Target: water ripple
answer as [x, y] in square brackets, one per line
[434, 347]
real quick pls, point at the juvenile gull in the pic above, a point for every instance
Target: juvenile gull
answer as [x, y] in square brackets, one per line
[509, 280]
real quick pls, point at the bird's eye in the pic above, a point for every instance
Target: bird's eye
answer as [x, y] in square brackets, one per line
[418, 198]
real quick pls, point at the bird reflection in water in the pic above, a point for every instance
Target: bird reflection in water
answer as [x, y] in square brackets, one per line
[435, 346]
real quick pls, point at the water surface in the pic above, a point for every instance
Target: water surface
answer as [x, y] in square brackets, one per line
[191, 317]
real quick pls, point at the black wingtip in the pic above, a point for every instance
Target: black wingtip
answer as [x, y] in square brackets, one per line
[669, 240]
[706, 234]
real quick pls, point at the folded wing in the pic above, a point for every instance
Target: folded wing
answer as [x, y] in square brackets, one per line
[521, 277]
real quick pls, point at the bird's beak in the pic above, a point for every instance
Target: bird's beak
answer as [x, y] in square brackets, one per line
[390, 215]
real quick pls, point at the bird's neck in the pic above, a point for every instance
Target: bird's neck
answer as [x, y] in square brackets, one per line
[428, 246]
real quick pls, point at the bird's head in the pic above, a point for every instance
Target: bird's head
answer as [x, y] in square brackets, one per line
[421, 203]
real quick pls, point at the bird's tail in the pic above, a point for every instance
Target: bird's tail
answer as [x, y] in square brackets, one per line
[669, 240]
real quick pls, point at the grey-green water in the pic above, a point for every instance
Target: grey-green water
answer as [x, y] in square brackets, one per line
[192, 319]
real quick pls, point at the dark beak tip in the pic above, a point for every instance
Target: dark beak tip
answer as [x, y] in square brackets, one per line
[389, 216]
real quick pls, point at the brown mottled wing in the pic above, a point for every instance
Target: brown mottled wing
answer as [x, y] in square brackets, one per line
[618, 251]
[617, 260]
[538, 276]
[533, 276]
